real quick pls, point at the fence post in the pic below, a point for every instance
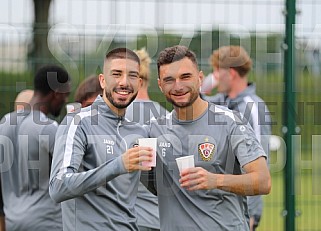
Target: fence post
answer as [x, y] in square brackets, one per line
[289, 113]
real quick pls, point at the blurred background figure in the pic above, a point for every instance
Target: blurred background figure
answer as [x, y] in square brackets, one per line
[231, 65]
[88, 90]
[28, 138]
[85, 94]
[23, 99]
[21, 103]
[141, 110]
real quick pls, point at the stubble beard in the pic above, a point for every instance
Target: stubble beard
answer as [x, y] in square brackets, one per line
[119, 105]
[190, 101]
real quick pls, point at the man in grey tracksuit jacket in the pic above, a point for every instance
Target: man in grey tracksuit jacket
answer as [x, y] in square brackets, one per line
[96, 159]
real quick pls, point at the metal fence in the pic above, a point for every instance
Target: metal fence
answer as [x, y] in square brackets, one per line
[81, 31]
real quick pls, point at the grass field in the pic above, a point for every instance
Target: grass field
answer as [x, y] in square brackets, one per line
[308, 205]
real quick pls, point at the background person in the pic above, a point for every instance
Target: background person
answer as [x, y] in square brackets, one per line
[96, 159]
[88, 90]
[230, 162]
[231, 65]
[85, 94]
[28, 139]
[21, 100]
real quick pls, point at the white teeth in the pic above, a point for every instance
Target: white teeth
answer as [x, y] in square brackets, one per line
[123, 92]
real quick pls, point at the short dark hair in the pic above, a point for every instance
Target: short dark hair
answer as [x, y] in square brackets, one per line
[122, 53]
[173, 54]
[88, 88]
[51, 78]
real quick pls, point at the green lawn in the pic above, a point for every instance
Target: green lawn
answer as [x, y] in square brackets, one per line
[308, 205]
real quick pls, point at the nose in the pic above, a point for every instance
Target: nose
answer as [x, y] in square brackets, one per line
[178, 85]
[123, 81]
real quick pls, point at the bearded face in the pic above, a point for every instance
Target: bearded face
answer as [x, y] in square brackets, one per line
[180, 82]
[120, 82]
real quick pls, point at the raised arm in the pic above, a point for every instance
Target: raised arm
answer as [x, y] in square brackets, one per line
[68, 178]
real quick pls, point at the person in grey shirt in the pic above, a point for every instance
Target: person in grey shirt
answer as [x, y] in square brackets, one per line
[27, 139]
[141, 111]
[230, 162]
[231, 66]
[96, 162]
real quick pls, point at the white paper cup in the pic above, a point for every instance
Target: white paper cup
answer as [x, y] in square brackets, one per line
[149, 142]
[72, 107]
[185, 162]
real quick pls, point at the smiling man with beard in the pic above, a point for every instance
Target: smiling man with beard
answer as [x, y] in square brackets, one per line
[230, 162]
[96, 163]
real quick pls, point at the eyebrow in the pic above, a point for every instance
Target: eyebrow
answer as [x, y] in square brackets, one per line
[168, 78]
[186, 74]
[120, 71]
[115, 70]
[134, 72]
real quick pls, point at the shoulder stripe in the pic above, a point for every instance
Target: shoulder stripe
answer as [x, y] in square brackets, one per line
[69, 143]
[226, 111]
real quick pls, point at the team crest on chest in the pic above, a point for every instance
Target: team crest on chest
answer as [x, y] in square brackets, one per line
[206, 150]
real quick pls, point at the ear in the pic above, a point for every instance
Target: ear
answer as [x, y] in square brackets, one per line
[102, 81]
[159, 85]
[200, 77]
[140, 85]
[233, 73]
